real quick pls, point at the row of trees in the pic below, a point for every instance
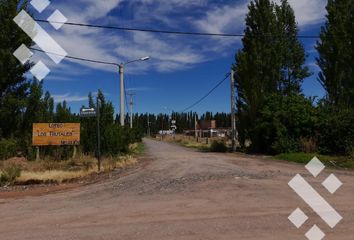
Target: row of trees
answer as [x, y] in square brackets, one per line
[22, 102]
[269, 70]
[154, 123]
[39, 107]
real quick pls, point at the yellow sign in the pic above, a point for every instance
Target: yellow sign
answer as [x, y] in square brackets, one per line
[56, 134]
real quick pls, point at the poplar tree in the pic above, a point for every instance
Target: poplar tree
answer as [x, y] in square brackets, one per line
[270, 62]
[336, 53]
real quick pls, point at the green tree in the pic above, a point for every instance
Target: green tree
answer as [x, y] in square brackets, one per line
[88, 129]
[13, 83]
[291, 51]
[270, 62]
[336, 53]
[63, 113]
[49, 108]
[35, 111]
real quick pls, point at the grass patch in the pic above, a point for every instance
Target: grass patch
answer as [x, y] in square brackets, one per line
[194, 144]
[330, 161]
[60, 176]
[203, 144]
[49, 171]
[55, 176]
[189, 142]
[137, 148]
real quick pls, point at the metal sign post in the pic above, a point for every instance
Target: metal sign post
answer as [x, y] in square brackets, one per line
[90, 113]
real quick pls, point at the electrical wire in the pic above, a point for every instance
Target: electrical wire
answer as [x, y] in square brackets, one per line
[207, 95]
[76, 58]
[150, 30]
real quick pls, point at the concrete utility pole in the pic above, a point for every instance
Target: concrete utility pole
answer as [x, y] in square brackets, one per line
[122, 88]
[131, 109]
[233, 112]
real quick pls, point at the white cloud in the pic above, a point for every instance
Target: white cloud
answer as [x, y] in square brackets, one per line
[308, 12]
[224, 19]
[69, 98]
[168, 52]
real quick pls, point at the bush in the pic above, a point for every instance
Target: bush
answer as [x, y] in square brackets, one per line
[8, 148]
[282, 123]
[116, 140]
[285, 145]
[335, 131]
[308, 145]
[9, 175]
[218, 146]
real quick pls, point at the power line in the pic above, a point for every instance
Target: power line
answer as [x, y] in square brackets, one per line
[76, 58]
[207, 95]
[126, 97]
[164, 31]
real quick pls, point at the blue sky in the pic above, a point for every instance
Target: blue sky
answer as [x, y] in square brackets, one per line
[181, 69]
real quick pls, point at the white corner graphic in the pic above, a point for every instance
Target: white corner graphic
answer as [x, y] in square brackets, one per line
[314, 200]
[40, 37]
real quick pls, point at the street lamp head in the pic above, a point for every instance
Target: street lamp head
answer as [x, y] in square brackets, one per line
[145, 58]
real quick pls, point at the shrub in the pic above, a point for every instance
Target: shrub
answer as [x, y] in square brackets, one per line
[308, 145]
[9, 175]
[285, 145]
[8, 148]
[335, 130]
[218, 146]
[116, 140]
[282, 123]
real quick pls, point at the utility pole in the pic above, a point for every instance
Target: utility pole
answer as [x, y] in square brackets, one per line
[233, 112]
[122, 89]
[131, 109]
[195, 126]
[148, 125]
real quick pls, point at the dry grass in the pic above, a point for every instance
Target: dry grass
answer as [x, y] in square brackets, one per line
[191, 142]
[112, 163]
[49, 171]
[57, 176]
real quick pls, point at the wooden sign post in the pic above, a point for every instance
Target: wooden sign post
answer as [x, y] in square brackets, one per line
[55, 134]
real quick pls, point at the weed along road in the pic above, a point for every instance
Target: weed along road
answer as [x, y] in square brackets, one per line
[181, 194]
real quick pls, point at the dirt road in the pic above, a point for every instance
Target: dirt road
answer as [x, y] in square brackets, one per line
[181, 194]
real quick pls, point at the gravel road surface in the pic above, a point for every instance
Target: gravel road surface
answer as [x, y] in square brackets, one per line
[181, 194]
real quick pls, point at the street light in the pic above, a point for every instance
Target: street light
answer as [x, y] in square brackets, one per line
[121, 75]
